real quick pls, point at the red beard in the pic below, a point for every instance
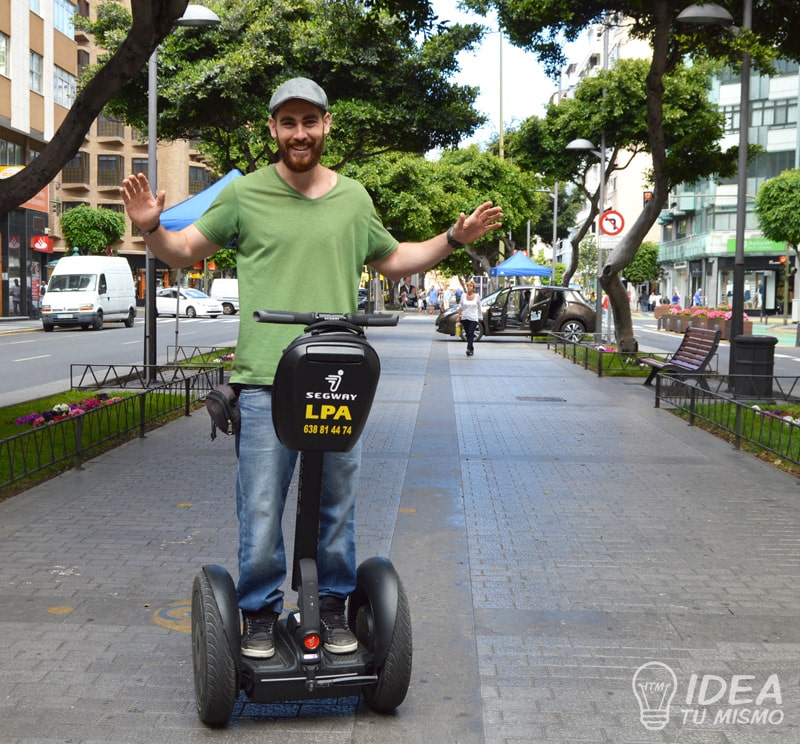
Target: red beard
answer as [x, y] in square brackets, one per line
[301, 162]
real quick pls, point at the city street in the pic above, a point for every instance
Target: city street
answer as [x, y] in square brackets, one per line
[566, 548]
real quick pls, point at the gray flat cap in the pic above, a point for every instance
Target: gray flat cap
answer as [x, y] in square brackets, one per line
[302, 88]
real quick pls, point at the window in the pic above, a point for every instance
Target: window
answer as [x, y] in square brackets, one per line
[37, 67]
[109, 170]
[198, 179]
[76, 170]
[5, 46]
[11, 153]
[138, 165]
[36, 7]
[63, 11]
[83, 60]
[64, 87]
[108, 127]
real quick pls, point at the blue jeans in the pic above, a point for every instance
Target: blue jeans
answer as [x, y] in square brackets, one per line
[265, 471]
[470, 326]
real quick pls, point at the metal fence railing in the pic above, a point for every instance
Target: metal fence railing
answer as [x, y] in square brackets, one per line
[760, 410]
[55, 446]
[603, 359]
[763, 411]
[124, 376]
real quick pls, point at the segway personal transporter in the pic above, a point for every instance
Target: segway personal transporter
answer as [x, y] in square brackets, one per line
[321, 396]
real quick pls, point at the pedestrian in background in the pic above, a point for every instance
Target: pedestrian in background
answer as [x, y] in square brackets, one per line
[469, 314]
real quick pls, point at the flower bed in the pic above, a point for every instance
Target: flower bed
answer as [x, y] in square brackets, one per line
[677, 320]
[62, 411]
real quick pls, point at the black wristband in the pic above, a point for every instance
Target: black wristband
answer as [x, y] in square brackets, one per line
[452, 241]
[147, 233]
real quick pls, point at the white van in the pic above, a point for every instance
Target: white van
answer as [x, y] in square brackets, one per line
[226, 292]
[87, 291]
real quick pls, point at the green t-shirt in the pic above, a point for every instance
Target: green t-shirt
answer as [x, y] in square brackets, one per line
[293, 253]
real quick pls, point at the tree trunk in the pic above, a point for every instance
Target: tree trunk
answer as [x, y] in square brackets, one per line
[152, 21]
[623, 254]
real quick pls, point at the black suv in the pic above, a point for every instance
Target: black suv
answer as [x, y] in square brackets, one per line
[528, 311]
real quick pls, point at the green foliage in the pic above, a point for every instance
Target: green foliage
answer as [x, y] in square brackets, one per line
[778, 208]
[91, 231]
[225, 259]
[614, 102]
[543, 26]
[644, 266]
[388, 85]
[418, 198]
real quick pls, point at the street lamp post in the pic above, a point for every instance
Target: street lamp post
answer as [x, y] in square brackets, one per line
[584, 145]
[194, 15]
[554, 196]
[709, 15]
[555, 232]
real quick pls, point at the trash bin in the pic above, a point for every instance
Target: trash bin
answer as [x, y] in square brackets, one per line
[753, 366]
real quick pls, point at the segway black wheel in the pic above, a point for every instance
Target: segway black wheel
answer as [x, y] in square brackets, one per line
[215, 683]
[394, 675]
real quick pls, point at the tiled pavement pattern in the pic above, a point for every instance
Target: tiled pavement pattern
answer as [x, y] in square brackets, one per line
[554, 532]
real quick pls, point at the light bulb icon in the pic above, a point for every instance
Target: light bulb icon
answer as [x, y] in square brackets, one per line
[654, 685]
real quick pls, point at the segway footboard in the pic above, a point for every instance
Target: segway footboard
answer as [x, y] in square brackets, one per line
[286, 677]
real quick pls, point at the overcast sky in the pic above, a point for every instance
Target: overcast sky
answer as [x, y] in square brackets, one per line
[526, 89]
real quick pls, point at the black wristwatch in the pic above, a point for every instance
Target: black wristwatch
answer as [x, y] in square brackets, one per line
[452, 241]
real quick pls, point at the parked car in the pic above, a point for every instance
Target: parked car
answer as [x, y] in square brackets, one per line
[528, 311]
[226, 292]
[193, 302]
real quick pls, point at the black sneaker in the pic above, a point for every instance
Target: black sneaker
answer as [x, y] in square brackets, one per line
[336, 635]
[258, 634]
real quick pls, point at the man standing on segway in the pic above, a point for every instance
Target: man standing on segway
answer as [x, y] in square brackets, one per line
[303, 233]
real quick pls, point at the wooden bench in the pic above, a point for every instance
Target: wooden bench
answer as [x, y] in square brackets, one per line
[697, 349]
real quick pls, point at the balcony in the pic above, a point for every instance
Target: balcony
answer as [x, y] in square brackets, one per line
[75, 178]
[109, 179]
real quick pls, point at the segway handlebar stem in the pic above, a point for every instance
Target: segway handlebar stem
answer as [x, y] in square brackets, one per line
[307, 319]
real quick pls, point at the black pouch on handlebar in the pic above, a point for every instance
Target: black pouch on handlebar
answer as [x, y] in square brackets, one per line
[222, 404]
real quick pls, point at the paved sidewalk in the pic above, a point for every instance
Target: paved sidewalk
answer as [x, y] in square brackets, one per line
[554, 532]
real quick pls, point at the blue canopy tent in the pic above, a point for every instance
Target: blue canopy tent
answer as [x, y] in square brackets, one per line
[519, 265]
[187, 211]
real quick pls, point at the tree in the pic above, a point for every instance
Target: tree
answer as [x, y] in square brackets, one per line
[778, 211]
[644, 266]
[91, 231]
[388, 84]
[151, 21]
[418, 198]
[543, 25]
[614, 103]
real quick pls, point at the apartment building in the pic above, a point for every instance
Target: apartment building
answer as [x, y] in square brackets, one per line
[41, 57]
[699, 226]
[696, 232]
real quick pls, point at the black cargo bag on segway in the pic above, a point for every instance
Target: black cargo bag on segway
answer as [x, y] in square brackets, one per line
[323, 390]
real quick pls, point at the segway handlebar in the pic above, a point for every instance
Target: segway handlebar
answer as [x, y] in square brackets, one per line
[307, 319]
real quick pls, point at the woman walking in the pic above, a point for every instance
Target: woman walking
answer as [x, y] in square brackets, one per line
[469, 313]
